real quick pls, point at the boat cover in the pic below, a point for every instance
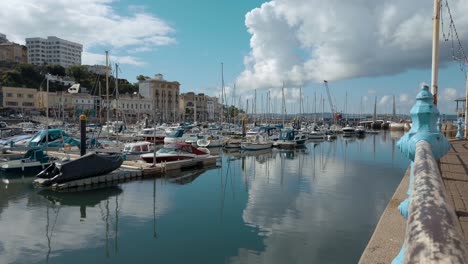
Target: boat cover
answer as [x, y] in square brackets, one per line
[89, 165]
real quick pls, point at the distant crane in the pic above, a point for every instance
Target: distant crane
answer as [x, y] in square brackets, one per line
[335, 114]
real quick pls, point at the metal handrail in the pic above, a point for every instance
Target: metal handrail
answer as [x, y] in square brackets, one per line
[433, 232]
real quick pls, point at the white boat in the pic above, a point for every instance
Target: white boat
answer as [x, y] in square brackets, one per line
[175, 137]
[175, 152]
[318, 135]
[211, 141]
[153, 135]
[33, 161]
[138, 148]
[234, 142]
[396, 126]
[260, 142]
[348, 131]
[360, 131]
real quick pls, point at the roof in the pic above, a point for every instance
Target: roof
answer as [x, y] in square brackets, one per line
[463, 99]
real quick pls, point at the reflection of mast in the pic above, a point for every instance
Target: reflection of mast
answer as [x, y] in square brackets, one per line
[116, 223]
[154, 209]
[49, 236]
[373, 146]
[107, 228]
[223, 188]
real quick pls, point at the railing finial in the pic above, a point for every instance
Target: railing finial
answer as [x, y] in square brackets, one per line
[424, 115]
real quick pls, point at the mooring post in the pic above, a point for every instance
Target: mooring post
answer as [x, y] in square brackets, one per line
[82, 135]
[425, 118]
[459, 129]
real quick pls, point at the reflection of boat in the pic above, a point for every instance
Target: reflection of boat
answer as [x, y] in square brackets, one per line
[33, 161]
[83, 198]
[174, 152]
[256, 152]
[186, 177]
[87, 166]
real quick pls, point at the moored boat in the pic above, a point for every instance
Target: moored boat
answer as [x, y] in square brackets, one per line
[89, 165]
[175, 152]
[33, 161]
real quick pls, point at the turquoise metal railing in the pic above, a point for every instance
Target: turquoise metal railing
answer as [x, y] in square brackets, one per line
[433, 233]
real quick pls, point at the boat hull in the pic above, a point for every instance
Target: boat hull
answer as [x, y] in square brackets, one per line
[87, 166]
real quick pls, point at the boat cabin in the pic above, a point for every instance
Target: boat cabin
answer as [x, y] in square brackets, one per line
[138, 147]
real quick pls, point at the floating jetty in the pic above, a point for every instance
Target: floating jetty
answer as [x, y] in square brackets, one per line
[132, 170]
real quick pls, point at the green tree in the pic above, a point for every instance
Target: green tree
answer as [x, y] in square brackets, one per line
[11, 78]
[141, 78]
[78, 72]
[56, 70]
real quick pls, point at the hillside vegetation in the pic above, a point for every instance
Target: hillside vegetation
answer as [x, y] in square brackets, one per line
[31, 76]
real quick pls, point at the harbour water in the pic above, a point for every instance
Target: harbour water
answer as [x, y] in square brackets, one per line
[319, 204]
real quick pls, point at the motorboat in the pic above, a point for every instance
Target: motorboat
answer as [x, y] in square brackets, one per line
[87, 166]
[360, 131]
[33, 160]
[153, 135]
[175, 152]
[348, 131]
[132, 151]
[290, 139]
[175, 137]
[211, 141]
[193, 138]
[139, 147]
[55, 138]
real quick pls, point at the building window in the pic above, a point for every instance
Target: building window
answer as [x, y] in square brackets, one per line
[9, 95]
[28, 104]
[30, 95]
[19, 95]
[12, 103]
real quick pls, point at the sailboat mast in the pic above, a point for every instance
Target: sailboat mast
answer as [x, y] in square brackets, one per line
[315, 107]
[435, 49]
[107, 87]
[284, 103]
[222, 91]
[255, 107]
[375, 109]
[117, 98]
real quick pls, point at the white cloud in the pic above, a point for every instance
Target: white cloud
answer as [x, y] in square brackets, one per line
[93, 23]
[385, 100]
[298, 41]
[449, 94]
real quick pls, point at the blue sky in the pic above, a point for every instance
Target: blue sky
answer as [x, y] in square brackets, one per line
[385, 52]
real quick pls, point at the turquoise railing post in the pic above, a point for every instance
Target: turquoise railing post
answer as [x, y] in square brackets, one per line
[459, 129]
[426, 127]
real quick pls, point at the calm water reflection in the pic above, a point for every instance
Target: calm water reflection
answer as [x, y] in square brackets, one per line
[317, 204]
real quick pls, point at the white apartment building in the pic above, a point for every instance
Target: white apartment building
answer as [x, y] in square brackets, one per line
[53, 50]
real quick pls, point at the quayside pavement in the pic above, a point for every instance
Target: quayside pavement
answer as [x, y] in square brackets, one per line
[388, 236]
[454, 169]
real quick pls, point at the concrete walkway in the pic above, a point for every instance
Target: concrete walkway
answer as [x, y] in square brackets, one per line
[389, 233]
[454, 168]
